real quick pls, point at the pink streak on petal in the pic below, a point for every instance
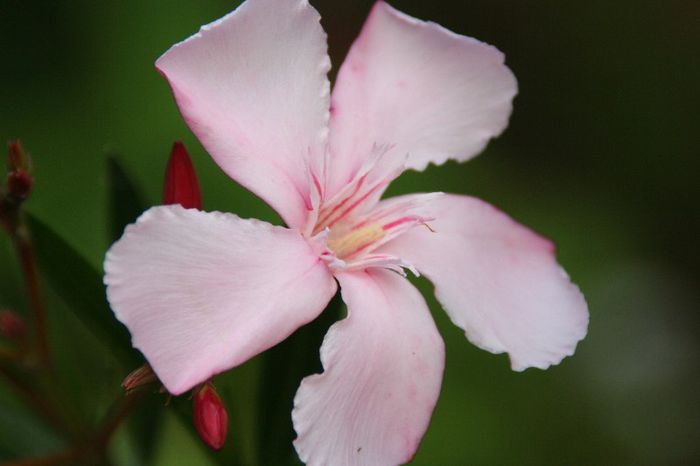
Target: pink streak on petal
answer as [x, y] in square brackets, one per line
[382, 374]
[204, 292]
[317, 184]
[398, 222]
[252, 86]
[435, 94]
[497, 280]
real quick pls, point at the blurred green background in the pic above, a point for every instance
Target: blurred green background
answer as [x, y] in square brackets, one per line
[601, 156]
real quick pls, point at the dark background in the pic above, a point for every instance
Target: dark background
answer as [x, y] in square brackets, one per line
[600, 155]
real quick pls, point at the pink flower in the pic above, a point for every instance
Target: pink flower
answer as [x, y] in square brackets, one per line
[204, 292]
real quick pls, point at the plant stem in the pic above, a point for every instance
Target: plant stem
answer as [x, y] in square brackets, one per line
[63, 458]
[118, 414]
[25, 253]
[7, 356]
[94, 450]
[40, 404]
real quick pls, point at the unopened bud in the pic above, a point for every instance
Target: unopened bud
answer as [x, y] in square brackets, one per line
[210, 416]
[11, 325]
[141, 377]
[181, 185]
[19, 177]
[19, 185]
[17, 158]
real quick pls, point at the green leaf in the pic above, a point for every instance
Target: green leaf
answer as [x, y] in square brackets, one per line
[80, 286]
[284, 366]
[125, 200]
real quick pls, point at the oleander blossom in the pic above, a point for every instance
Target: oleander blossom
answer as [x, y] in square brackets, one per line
[204, 292]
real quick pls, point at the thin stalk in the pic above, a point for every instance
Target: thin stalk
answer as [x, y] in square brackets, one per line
[68, 457]
[8, 356]
[27, 258]
[120, 411]
[39, 403]
[94, 451]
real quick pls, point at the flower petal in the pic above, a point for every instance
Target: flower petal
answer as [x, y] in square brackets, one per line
[497, 280]
[204, 292]
[382, 374]
[252, 86]
[430, 93]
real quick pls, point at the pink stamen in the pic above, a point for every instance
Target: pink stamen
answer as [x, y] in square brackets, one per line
[326, 216]
[400, 221]
[383, 213]
[356, 203]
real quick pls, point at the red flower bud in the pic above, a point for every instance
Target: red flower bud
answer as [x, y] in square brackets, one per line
[17, 159]
[141, 377]
[19, 178]
[181, 185]
[210, 416]
[19, 185]
[11, 325]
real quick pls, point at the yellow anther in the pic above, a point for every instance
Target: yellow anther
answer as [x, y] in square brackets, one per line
[346, 243]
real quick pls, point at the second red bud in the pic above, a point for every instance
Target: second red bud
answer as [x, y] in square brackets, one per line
[210, 416]
[11, 325]
[181, 185]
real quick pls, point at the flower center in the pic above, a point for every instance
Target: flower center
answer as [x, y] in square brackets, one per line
[350, 227]
[346, 243]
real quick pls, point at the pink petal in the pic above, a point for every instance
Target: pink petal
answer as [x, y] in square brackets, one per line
[432, 94]
[204, 292]
[252, 86]
[382, 373]
[497, 280]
